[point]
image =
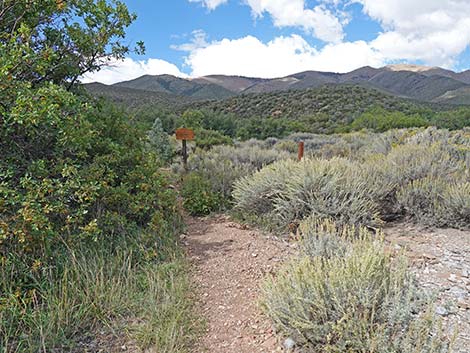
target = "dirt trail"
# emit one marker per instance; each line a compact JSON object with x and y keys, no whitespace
{"x":229,"y":264}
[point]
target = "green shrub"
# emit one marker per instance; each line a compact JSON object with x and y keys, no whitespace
{"x":255,"y":195}
{"x":208,"y":138}
{"x":79,"y":177}
{"x":159,"y":141}
{"x":198,"y":197}
{"x":380,"y":120}
{"x":87,"y":216}
{"x":327,"y":239}
{"x":358,"y":300}
{"x":327,"y":189}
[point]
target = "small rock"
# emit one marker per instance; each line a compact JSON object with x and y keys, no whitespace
{"x":254,"y":255}
{"x":440,"y":310}
{"x":289,"y":344}
{"x":463,"y":304}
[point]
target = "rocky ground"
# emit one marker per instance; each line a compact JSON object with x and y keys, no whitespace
{"x":440,"y":259}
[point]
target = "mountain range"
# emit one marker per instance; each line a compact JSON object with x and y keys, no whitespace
{"x":429,"y":84}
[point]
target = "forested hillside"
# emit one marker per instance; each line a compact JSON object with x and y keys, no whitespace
{"x":341,"y":103}
{"x":327,"y":109}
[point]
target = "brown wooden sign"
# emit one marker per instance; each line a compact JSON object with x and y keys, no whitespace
{"x":185,"y":134}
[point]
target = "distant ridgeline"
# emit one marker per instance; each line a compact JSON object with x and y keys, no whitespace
{"x":321,"y":102}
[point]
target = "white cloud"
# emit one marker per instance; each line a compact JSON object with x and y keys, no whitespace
{"x":319,"y":20}
{"x":210,"y":4}
{"x":199,"y":40}
{"x":129,"y":69}
{"x":282,"y":56}
{"x":434,"y":31}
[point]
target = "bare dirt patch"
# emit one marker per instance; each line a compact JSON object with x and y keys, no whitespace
{"x":230,"y":261}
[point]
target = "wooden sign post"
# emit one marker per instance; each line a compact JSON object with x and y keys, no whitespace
{"x":301,"y":150}
{"x":185,"y":135}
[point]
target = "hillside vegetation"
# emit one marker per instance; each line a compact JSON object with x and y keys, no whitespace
{"x":327,"y":109}
{"x":178,"y":86}
{"x":339,"y":104}
{"x":132,"y":99}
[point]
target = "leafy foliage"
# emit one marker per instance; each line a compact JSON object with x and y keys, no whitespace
{"x":381,"y":120}
{"x":159,"y":141}
{"x":59,"y":41}
{"x":86,"y":212}
{"x":198,"y":197}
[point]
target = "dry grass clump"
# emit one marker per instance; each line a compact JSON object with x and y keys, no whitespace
{"x":347,"y":294}
{"x":120,"y":294}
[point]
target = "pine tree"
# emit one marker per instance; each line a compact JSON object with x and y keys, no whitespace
{"x":159,"y":141}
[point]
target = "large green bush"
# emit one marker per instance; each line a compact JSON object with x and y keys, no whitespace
{"x":72,"y":177}
{"x":75,"y":172}
{"x":198,"y":197}
{"x":87,"y":216}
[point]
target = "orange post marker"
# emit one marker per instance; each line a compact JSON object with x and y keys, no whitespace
{"x":301,"y":150}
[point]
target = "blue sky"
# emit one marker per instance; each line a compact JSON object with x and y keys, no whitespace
{"x":275,"y":38}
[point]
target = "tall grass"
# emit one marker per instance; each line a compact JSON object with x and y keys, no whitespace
{"x":92,"y":289}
